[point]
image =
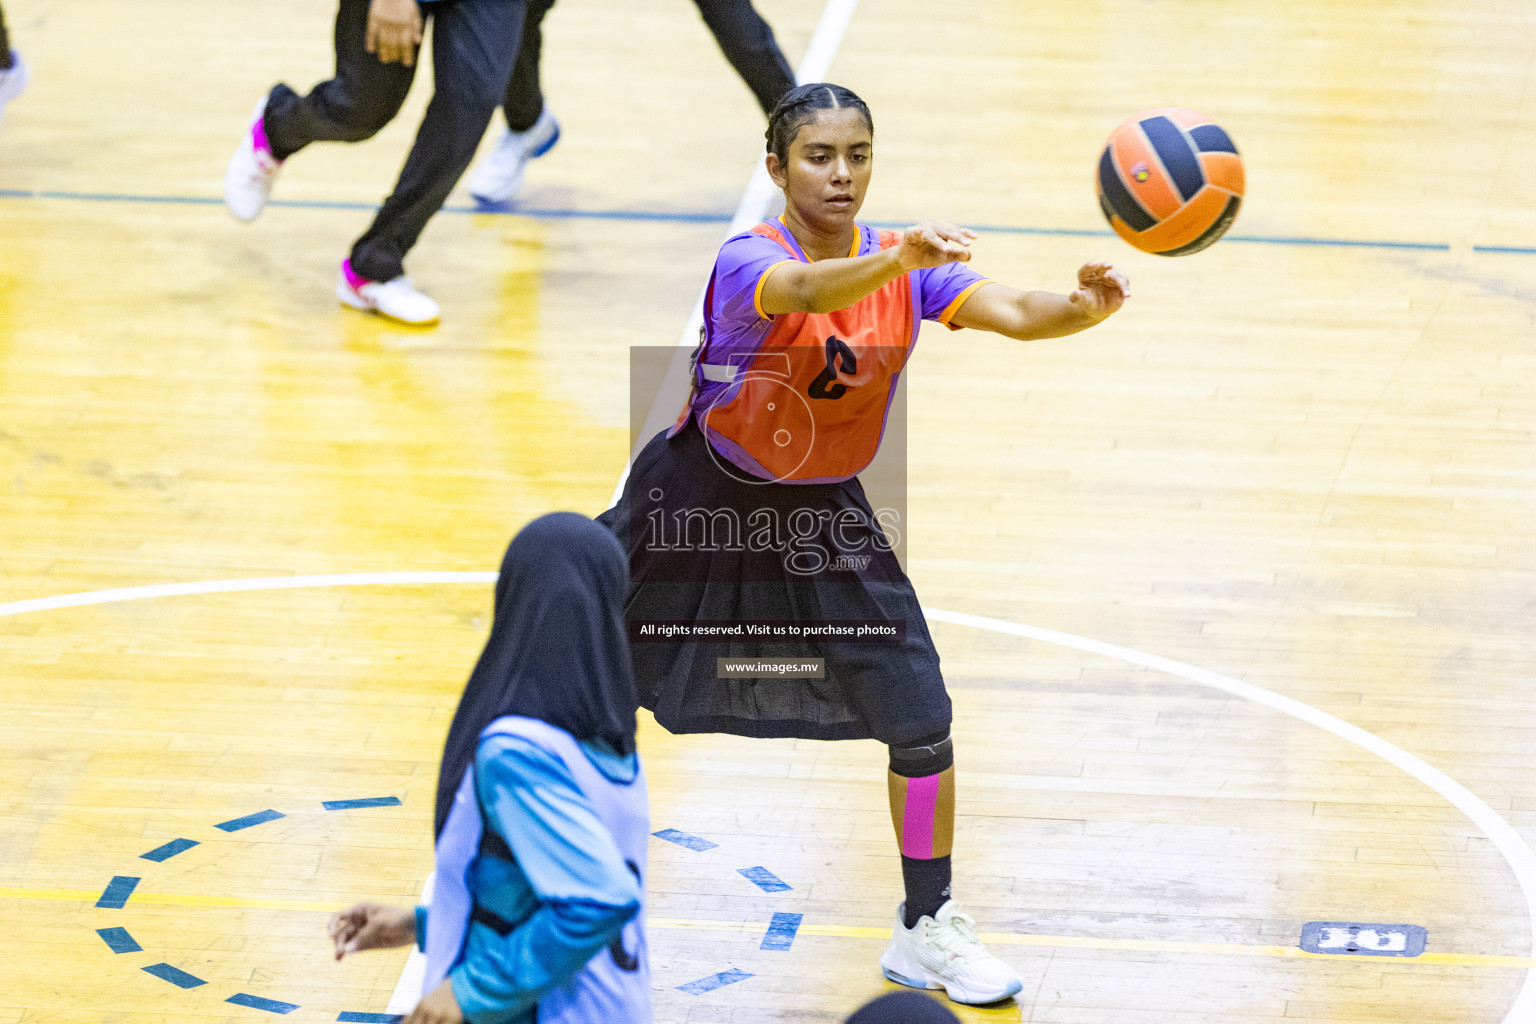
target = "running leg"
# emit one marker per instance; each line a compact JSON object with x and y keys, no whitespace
{"x":524,"y":100}
{"x":474,"y":45}
{"x":748,"y":43}
{"x":364,"y":95}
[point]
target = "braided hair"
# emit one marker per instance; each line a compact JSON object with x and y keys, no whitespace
{"x":802,"y":105}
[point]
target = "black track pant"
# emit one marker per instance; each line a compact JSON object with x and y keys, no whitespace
{"x":748,"y":43}
{"x":745,"y":38}
{"x":474,"y":46}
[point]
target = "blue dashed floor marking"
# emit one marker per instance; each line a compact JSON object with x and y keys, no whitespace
{"x":175,"y":975}
{"x":236,"y":824}
{"x":685,"y":840}
{"x":764,"y":879}
{"x":115,"y":895}
{"x":118,"y":940}
{"x":371,"y":801}
{"x":714,"y":981}
{"x":169,"y":850}
{"x":118,"y":891}
{"x":260,"y":1003}
{"x":781,"y":931}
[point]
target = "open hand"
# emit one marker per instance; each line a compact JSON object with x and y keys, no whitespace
{"x":437,"y":1007}
{"x":394,"y":31}
{"x":933,"y":243}
{"x":1101,"y":290}
{"x":371,"y":926}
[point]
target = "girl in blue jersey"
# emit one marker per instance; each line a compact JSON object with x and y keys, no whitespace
{"x":541,"y":814}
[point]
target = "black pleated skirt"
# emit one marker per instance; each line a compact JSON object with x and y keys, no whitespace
{"x":889,"y":690}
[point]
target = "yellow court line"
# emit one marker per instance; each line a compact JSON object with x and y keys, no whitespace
{"x":829,"y":931}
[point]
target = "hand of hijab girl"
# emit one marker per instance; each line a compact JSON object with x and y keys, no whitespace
{"x":371,"y":926}
{"x":437,"y":1007}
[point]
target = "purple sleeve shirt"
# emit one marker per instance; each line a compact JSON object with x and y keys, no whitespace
{"x":735,"y":324}
{"x":735,"y":315}
{"x":735,"y":319}
{"x":941,"y":291}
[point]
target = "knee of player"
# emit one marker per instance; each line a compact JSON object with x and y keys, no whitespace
{"x":365,"y":128}
{"x":364,"y":121}
{"x":927,"y":755}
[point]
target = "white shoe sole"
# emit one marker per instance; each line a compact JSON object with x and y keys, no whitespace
{"x":501,"y":195}
{"x":349,"y":298}
{"x":916,"y":977}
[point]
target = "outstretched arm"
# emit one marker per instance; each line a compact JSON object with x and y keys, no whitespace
{"x":1027,"y":316}
{"x":829,"y":285}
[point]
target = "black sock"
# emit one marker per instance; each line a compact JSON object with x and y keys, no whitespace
{"x":927,"y":883}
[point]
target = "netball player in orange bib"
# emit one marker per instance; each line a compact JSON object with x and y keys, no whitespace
{"x":749,"y":510}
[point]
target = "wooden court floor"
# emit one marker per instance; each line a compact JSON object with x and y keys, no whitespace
{"x":1302,"y":460}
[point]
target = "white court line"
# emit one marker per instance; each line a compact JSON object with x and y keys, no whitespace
{"x":1503,"y":836}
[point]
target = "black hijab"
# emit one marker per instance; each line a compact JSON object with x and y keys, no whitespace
{"x":557,"y":649}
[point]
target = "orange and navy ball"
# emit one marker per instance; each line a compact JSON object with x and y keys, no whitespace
{"x":1170,"y":182}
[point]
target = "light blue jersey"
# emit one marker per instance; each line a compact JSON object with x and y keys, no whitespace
{"x":539,"y":867}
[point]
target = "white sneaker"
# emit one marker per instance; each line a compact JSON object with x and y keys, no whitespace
{"x":397,"y":299}
{"x":500,"y":176}
{"x":944,"y":952}
{"x":252,"y":170}
{"x":13,"y":80}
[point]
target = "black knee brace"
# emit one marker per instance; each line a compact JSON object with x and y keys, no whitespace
{"x":927,"y":755}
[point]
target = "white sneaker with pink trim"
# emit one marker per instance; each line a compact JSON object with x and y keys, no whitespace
{"x":943,"y":951}
{"x":397,"y":299}
{"x":252,"y":170}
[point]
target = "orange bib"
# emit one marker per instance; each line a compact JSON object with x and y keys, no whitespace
{"x":809,"y":404}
